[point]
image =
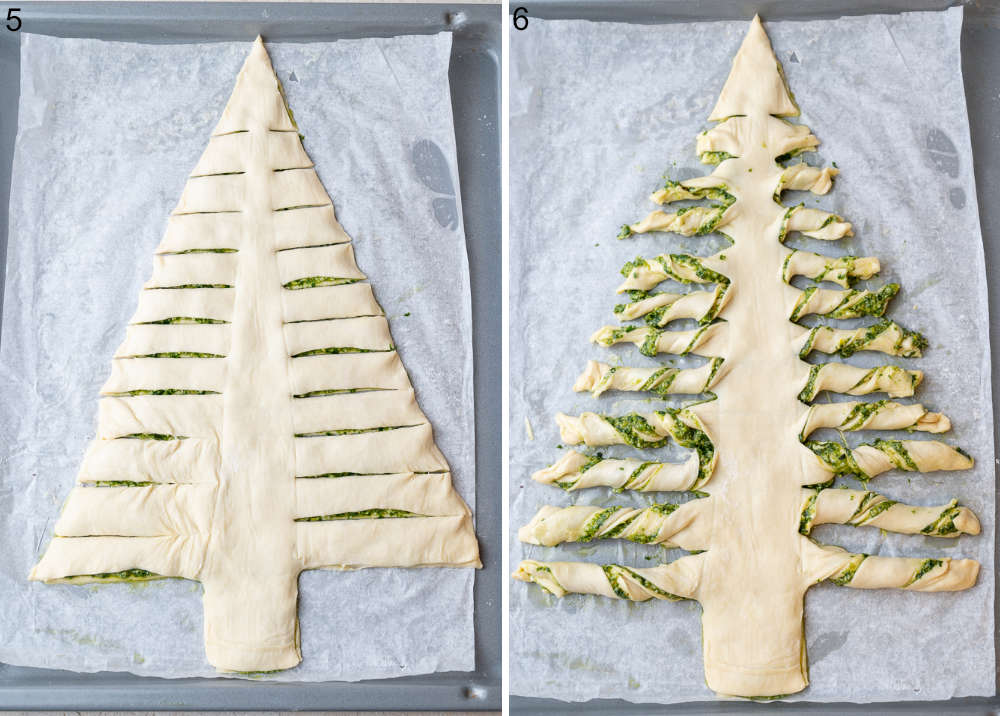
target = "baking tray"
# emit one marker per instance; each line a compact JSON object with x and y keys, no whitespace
{"x":981,"y":73}
{"x":475,"y":89}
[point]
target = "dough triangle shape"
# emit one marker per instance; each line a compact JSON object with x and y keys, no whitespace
{"x":756,"y":80}
{"x":258,"y":420}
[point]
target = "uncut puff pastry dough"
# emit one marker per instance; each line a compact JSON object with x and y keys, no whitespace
{"x":751,"y":455}
{"x":257,"y":409}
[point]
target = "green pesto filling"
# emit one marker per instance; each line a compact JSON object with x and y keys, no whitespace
{"x":944,"y":524}
{"x":336,"y":391}
{"x":178,"y":354}
{"x":660,"y":381}
{"x":872,"y":513}
{"x":342,"y":349}
{"x":716,"y":365}
{"x":254,"y":674}
{"x":128,"y":575}
{"x":716,"y":306}
{"x":301,"y":206}
{"x":182,"y":319}
{"x":896,"y":452}
{"x":351,"y":431}
{"x":845,"y":265}
{"x":162,"y":391}
{"x":591,"y":461}
{"x":708,"y":227}
{"x":874,"y":331}
{"x":678,"y":192}
{"x":873,"y":304}
{"x":801,"y":304}
{"x":316,"y":281}
{"x":926,"y":566}
{"x":694,"y":439}
{"x":617,"y":530}
{"x":646,"y":584}
{"x":542,"y":569}
{"x":663,"y":508}
{"x":216,"y":174}
{"x":625,"y":232}
{"x":808,"y":514}
{"x":863,"y":503}
{"x":782,"y":158}
{"x":609,"y":572}
{"x":845,"y":577}
{"x":636,"y":431}
{"x":635,"y":476}
{"x":837,"y":457}
{"x":120,"y":483}
{"x":715,"y":157}
{"x":861,"y":413}
{"x":784,"y":222}
{"x":809,"y":391}
{"x":704,"y":273}
{"x":784,"y":265}
{"x":594,"y":524}
{"x":631,"y":266}
{"x":189,"y":285}
{"x":372,"y":514}
{"x":331,"y":474}
{"x":649,"y":345}
{"x":151,"y":436}
{"x":204,"y":251}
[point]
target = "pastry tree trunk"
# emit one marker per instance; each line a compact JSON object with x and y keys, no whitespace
{"x":258,"y":420}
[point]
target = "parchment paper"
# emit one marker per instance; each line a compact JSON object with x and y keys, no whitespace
{"x":107,"y":134}
{"x":598,"y":113}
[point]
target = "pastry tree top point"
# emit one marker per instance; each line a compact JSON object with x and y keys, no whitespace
{"x":256,"y":98}
{"x":756,"y":81}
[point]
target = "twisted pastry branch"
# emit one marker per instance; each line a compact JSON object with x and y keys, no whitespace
{"x":870,"y":460}
{"x":815,"y":223}
{"x":849,"y":379}
{"x":883,"y":337}
{"x":652,"y":430}
{"x":675,"y":581}
{"x":577,"y":471}
{"x":852,"y":303}
{"x":875,"y":415}
{"x":599,"y":377}
{"x":862,"y":571}
{"x":662,"y":308}
{"x":841,"y":270}
{"x":861,"y":508}
{"x":707,"y":187}
{"x":643,"y":274}
{"x":802,"y":177}
{"x":689,"y":221}
{"x":665,"y":524}
{"x":702,"y":341}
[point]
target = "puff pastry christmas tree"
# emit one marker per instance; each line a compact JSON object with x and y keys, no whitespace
{"x":258,"y":420}
{"x":765,"y":483}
